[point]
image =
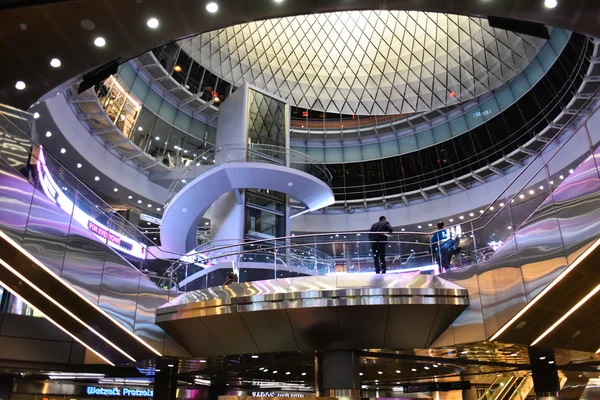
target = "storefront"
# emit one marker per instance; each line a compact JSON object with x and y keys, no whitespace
{"x":44,"y":390}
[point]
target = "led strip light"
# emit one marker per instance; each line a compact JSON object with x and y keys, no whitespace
{"x":101,"y":231}
{"x":59,"y":279}
{"x":559,"y":278}
{"x":106,"y":360}
{"x":567,"y":314}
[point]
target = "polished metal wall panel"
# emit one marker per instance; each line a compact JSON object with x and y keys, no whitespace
{"x":119,"y":289}
{"x":371,"y":333}
{"x":271,"y":330}
{"x":84,"y":262}
{"x":150,"y":297}
{"x":231,"y":333}
{"x":577,"y":202}
{"x":15,"y":200}
{"x":315,"y":328}
{"x":47,"y":232}
{"x":501,"y":286}
{"x":541,"y":249}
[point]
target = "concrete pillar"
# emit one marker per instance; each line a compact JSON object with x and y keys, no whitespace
{"x":337,"y":374}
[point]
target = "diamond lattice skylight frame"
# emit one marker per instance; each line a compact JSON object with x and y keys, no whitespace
{"x":367,"y":62}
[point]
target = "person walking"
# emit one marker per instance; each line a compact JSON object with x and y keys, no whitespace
{"x":378,"y":238}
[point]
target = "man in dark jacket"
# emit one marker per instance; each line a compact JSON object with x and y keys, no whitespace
{"x":378,"y":240}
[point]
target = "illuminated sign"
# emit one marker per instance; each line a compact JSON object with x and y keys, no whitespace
{"x":484,"y":113}
{"x":274,"y":394}
{"x":101,"y":231}
{"x":150,"y":218}
{"x":116,"y":392}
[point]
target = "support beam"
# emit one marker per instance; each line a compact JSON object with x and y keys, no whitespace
{"x":443,"y":191}
{"x":542,"y":139}
{"x":239,"y":196}
{"x":528,"y":151}
{"x":405,"y":200}
{"x":81,"y":99}
{"x":513,"y":162}
{"x":478,"y":177}
{"x":114,"y":145}
{"x":88,"y":116}
{"x":203,"y":107}
{"x":211,"y":119}
{"x":424,"y":195}
{"x":147,"y":167}
{"x":131,"y":157}
{"x":496,"y":171}
{"x":460,"y":185}
{"x":103,"y":131}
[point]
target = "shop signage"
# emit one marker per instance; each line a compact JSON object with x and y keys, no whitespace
{"x":116,"y":392}
{"x":276,"y":394}
{"x":151,"y":219}
{"x":63,"y":198}
{"x":437,"y":387}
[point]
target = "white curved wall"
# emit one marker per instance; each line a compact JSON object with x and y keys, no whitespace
{"x":98,"y":156}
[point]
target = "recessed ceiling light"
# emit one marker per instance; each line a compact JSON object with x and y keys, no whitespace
{"x":48,"y":134}
{"x":177,"y":68}
{"x":398,"y":371}
{"x":550,"y":3}
{"x":139,"y":202}
{"x":150,"y":205}
{"x":419,"y":227}
{"x":116,"y":190}
{"x":97,"y":178}
{"x":55,"y":62}
{"x":206,"y":223}
{"x":471,"y":215}
{"x":290,"y":184}
{"x":278,"y":1}
{"x":130,"y":197}
{"x":275,"y":371}
{"x":462,"y":217}
{"x":79,"y":165}
{"x":570,"y":171}
{"x":426,"y":367}
{"x":100,"y":42}
{"x":287,"y":373}
{"x":451,"y":220}
{"x":63,"y":150}
{"x":304,"y":374}
{"x":253,"y":355}
{"x":158,"y":209}
{"x":140,"y":129}
{"x":380,"y":372}
{"x":361,"y":374}
{"x":414,"y":370}
{"x":20,"y":85}
{"x":157,"y":138}
{"x":531,"y":192}
{"x":152,"y":23}
{"x":87,"y":24}
{"x":550,"y":362}
{"x":36,"y":115}
{"x":212,"y":7}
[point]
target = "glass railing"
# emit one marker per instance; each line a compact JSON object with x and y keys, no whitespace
{"x":466,"y":243}
{"x":49,"y":176}
{"x":263,"y":153}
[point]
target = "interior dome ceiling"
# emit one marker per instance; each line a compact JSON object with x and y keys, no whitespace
{"x":367,"y":62}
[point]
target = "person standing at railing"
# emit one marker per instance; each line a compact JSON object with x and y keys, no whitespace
{"x":443,"y":247}
{"x":378,"y":239}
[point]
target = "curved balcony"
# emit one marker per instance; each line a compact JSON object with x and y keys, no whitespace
{"x":234,"y":167}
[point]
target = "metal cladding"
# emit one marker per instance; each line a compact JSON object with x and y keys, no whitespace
{"x":314,"y":313}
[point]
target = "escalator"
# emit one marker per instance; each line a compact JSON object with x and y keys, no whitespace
{"x":76,"y":274}
{"x":512,"y":387}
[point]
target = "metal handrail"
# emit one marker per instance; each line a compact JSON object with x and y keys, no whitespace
{"x":577,"y":115}
{"x":97,"y":201}
{"x":563,"y":92}
{"x":294,"y":157}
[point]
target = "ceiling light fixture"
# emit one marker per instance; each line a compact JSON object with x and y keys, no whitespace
{"x":139,"y":202}
{"x":150,"y":205}
{"x":555,"y":282}
{"x":152,"y":23}
{"x":140,"y":129}
{"x":63,"y":151}
{"x":130,"y":197}
{"x":304,"y":374}
{"x":398,"y":371}
{"x":55,"y":63}
{"x":79,"y":165}
{"x":116,"y":190}
{"x":48,"y":134}
{"x":177,"y":68}
{"x":100,"y":42}
{"x":97,"y":178}
{"x":380,"y":372}
{"x":212,"y":7}
{"x":36,"y":115}
{"x":550,"y":3}
{"x":20,"y":85}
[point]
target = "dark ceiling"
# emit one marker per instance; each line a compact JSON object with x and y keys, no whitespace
{"x":31,"y":36}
